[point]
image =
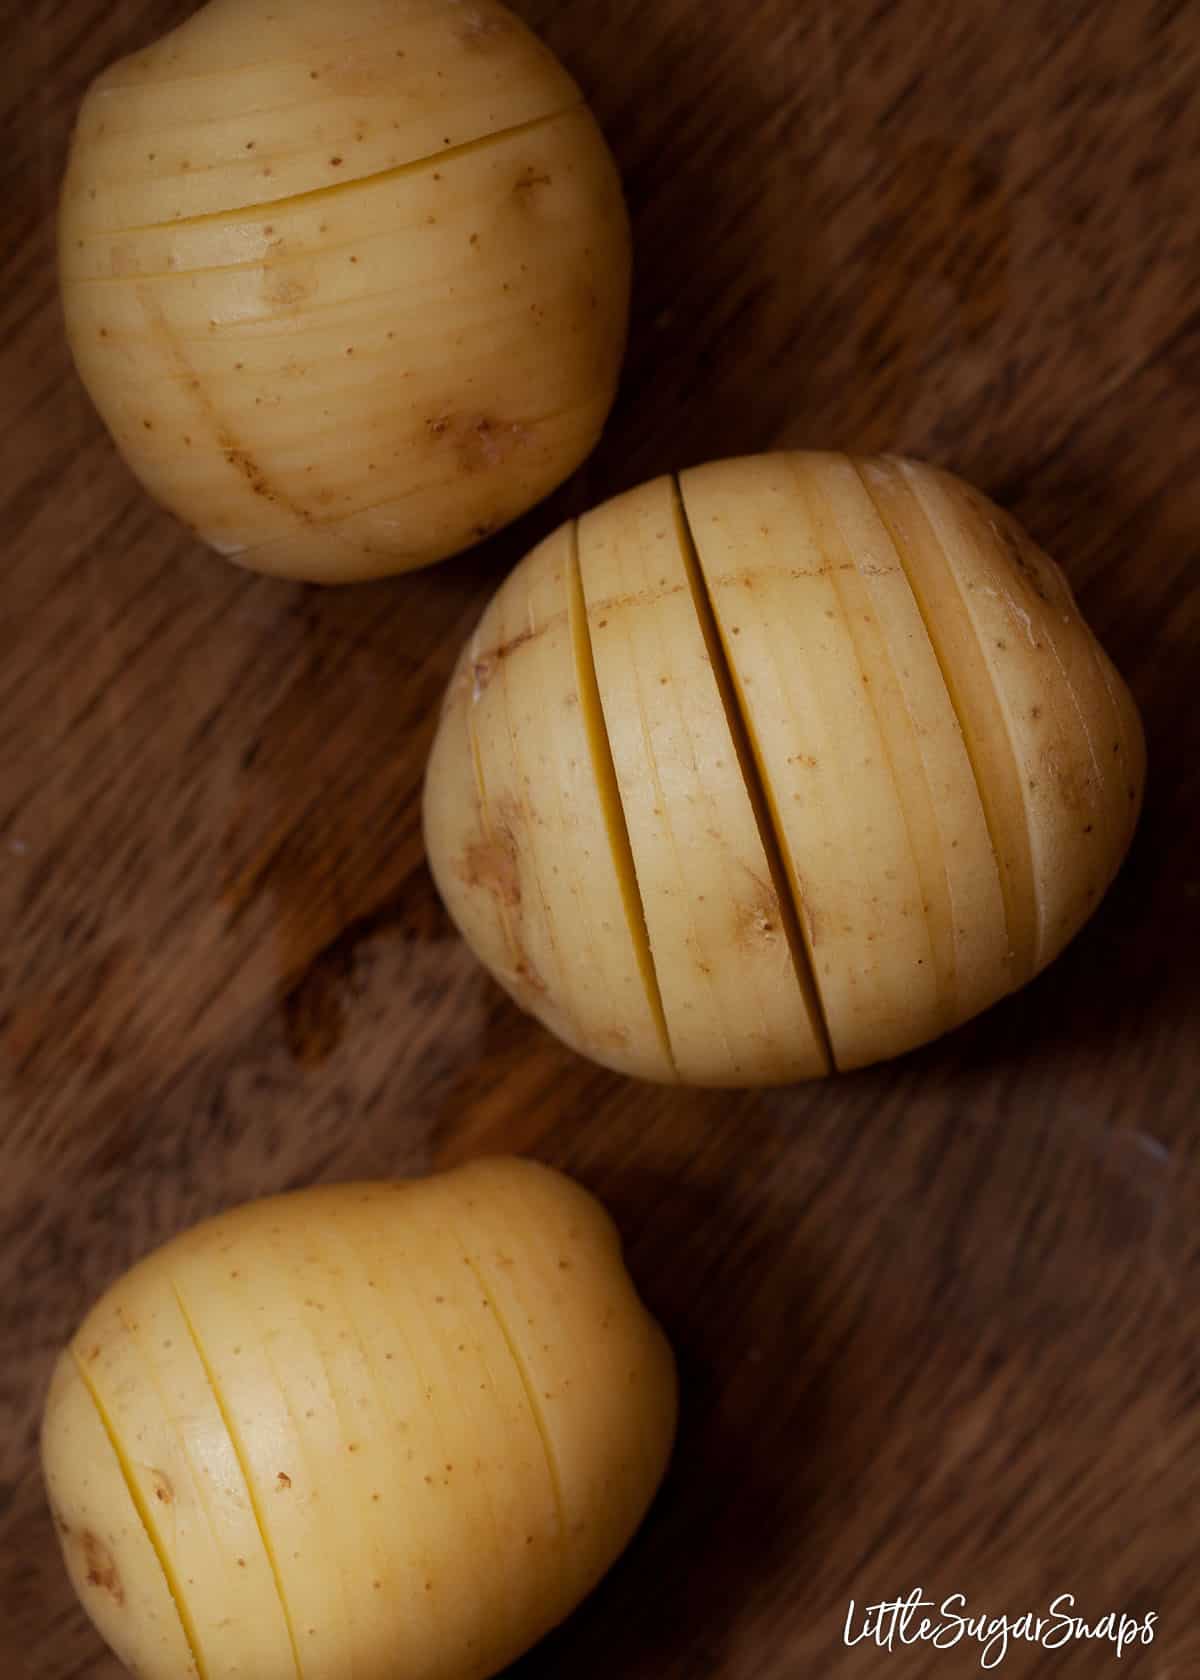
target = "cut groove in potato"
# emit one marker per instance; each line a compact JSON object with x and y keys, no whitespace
{"x":156,"y":256}
{"x":247,"y":1477}
{"x":514,"y":1477}
{"x":1011,"y":608}
{"x":614,"y":815}
{"x":144,"y":1371}
{"x":405,"y":1427}
{"x":809,"y":714}
{"x":265,"y":1382}
{"x":227,"y":385}
{"x":600,"y":754}
{"x":521,"y":1368}
{"x":934,"y":781}
{"x":816,"y":1048}
{"x":183,"y":128}
{"x":583,"y":960}
{"x":138,"y":1501}
{"x":716,"y":918}
{"x":110,"y":1554}
{"x":973,"y":695}
{"x":532,"y":1248}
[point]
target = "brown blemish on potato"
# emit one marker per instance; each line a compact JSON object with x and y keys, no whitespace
{"x":529,"y":981}
{"x":243,"y":462}
{"x":101,"y":1568}
{"x":637,"y":598}
{"x":492,"y":866}
{"x":528,"y":179}
{"x":480,"y":441}
{"x":757,"y":918}
{"x":285,"y":290}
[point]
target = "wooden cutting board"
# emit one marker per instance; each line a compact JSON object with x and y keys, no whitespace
{"x":937,"y":1322}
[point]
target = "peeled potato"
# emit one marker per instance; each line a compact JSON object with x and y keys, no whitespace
{"x":347,"y":283}
{"x":389,"y":1430}
{"x":831,"y":732}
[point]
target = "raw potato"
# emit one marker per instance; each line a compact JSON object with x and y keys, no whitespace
{"x":348,"y":284}
{"x":871,"y":769}
{"x":391,"y":1430}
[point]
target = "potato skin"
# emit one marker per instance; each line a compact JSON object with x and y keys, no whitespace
{"x":358,"y":337}
{"x":945,"y":768}
{"x":400,"y":1428}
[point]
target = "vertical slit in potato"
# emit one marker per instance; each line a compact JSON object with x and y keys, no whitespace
{"x":973,"y":696}
{"x":170,"y":1574}
{"x":536,"y":1244}
{"x":248,"y":1480}
{"x":1014,"y":601}
{"x":601,"y":764}
{"x":936,"y":787}
{"x":824,"y":760}
{"x":144,"y":1370}
{"x":716,"y":919}
{"x":111,"y":1556}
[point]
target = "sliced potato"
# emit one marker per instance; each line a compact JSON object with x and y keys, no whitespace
{"x":821,"y":753}
{"x":734,"y":1000}
{"x":943,"y":811}
{"x":576,"y":911}
{"x":441,"y":1404}
{"x":866,"y":687}
{"x":110,"y":1557}
{"x":142,"y":1366}
{"x":251,"y":101}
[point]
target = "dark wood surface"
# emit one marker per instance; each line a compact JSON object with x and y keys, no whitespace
{"x":937,"y":1322}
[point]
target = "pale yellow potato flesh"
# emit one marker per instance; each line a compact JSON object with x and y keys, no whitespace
{"x":977,"y":704}
{"x":475,"y":866}
{"x":599,"y":1372}
{"x":1058,"y":712}
{"x":736,"y":1005}
{"x":363,"y":380}
{"x":821,"y":752}
{"x":136,"y":1353}
{"x":252,"y":101}
{"x":110,"y":1558}
{"x":395,"y":1457}
{"x":583,"y":957}
{"x":866,"y":684}
{"x":943,"y":811}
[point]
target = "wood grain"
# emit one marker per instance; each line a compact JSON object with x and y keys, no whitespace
{"x":937,"y":1321}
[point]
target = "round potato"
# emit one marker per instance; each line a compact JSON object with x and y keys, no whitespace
{"x":348,"y":283}
{"x":390,"y":1430}
{"x":782,"y":768}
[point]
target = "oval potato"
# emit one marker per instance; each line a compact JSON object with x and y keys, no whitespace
{"x":396,"y":1430}
{"x":871,"y":769}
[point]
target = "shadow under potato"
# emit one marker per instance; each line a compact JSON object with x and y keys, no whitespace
{"x":905,"y":1362}
{"x":723,"y":1523}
